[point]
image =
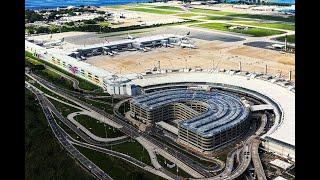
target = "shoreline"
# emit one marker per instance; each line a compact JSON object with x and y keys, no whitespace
{"x":101,"y":4}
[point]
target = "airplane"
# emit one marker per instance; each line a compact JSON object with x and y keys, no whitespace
{"x":130,"y":37}
{"x":54,"y":43}
{"x":147,"y":48}
{"x":187,"y":45}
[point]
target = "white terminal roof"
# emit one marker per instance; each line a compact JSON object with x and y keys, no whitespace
{"x":285,"y":132}
{"x":127,"y":41}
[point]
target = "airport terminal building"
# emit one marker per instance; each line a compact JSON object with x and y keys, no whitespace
{"x":72,"y":60}
{"x":203,"y":120}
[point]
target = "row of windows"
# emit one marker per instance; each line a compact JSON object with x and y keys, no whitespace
{"x":75,"y":70}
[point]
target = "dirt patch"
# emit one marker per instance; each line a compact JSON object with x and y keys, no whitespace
{"x":264,"y":54}
{"x":214,"y":54}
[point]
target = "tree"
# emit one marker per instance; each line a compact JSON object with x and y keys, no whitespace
{"x":32,"y":16}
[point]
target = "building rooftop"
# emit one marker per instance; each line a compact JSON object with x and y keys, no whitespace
{"x":224,"y":110}
{"x":284,"y":128}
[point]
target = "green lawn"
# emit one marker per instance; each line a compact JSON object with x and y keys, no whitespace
{"x":65,"y":110}
{"x":218,"y":18}
{"x":257,"y":32}
{"x":155,"y":11}
{"x":187,"y":15}
{"x":107,"y":108}
{"x":133,"y":149}
{"x":118,"y":169}
{"x":44,"y":158}
{"x":49,"y":75}
{"x":265,"y":17}
{"x":287,"y":26}
{"x":238,"y":15}
{"x":98,"y":128}
{"x":290,"y":38}
{"x":55,"y":78}
{"x":168,"y":8}
{"x":209,"y":11}
{"x":104,"y":23}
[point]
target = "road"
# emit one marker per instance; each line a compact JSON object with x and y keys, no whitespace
{"x":256,"y":161}
{"x":76,"y":130}
{"x":62,"y":138}
{"x":133,"y":133}
{"x":255,"y":147}
{"x":63,"y":135}
{"x":127,"y":128}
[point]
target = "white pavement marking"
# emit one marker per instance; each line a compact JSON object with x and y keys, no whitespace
{"x":81,"y":127}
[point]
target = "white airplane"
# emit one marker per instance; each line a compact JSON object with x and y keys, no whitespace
{"x":187,"y":45}
{"x":147,"y":48}
{"x":54,"y":43}
{"x":167,"y":45}
{"x":130,"y":37}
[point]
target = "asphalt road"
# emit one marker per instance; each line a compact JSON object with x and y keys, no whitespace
{"x":133,"y":133}
{"x":128,"y":129}
{"x":92,"y":38}
{"x":62,"y":137}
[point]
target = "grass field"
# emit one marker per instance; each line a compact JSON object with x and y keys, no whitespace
{"x":238,"y":15}
{"x":187,"y":15}
{"x":104,"y":23}
{"x":44,"y":158}
{"x":290,"y":38}
{"x":167,"y":8}
{"x":97,"y":128}
{"x":218,"y":18}
{"x":65,"y":110}
{"x":154,"y":11}
{"x":118,"y":169}
{"x":285,"y":26}
{"x":49,"y":75}
{"x":265,"y":17}
{"x":209,"y":11}
{"x":133,"y":149}
{"x":257,"y":32}
{"x":107,"y":108}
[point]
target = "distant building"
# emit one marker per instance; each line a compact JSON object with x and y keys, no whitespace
{"x":262,"y":1}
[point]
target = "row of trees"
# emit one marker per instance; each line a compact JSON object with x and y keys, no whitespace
{"x":89,"y":26}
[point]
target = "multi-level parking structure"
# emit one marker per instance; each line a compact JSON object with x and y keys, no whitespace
{"x":205,"y":120}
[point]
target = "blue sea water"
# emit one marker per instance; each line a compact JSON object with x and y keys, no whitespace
{"x":40,"y":4}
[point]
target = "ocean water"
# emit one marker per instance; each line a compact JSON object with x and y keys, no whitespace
{"x":39,"y":4}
